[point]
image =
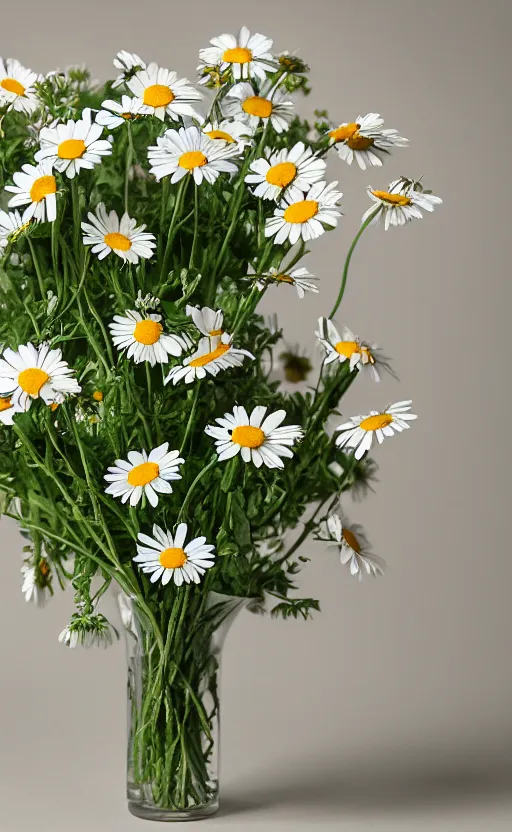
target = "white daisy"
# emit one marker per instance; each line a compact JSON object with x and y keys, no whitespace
{"x":144,"y":474}
{"x":88,"y":630}
{"x":305,"y":217}
{"x":163,"y":92}
{"x":353,"y":547}
{"x":128,"y":63}
{"x":247,"y":56}
{"x":12,"y":224}
{"x":244,"y":103}
{"x":300,"y":278}
{"x":290,"y":172}
{"x":116,"y":113}
{"x":165,"y":556}
{"x":348,"y":347}
{"x":188,"y":151}
{"x":357,"y":434}
{"x":212,"y":355}
{"x":208,"y":321}
{"x":258,"y":438}
{"x":36,"y":586}
{"x":106,"y":233}
{"x":74,"y":145}
{"x":232,"y":132}
{"x":17,"y":91}
{"x":404,"y":201}
{"x":35,"y":372}
{"x":145,"y":339}
{"x":36,"y":187}
{"x":7,"y":410}
{"x":365,"y":140}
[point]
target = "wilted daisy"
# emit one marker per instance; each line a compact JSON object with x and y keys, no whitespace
{"x":37,"y":582}
{"x":189,"y":151}
{"x":353,"y":547}
{"x":305,"y":217}
{"x":365,"y":140}
{"x":404,"y":201}
{"x":36,"y":187}
{"x":208,"y":321}
{"x":300,"y":278}
{"x":35,"y":372}
{"x":116,"y":113}
{"x":129,"y":63}
{"x":12,"y":223}
{"x":74,"y":145}
{"x":7,"y":410}
{"x":106,"y":233}
{"x":167,"y":557}
{"x":244,"y":103}
{"x":211,"y":356}
{"x":17,"y":91}
{"x":144,"y":474}
{"x":163,"y":92}
{"x":358,"y":433}
{"x":246,"y":56}
{"x":257,"y":437}
{"x":230,"y":131}
{"x":348,"y":347}
{"x":290,"y":172}
{"x":88,"y":630}
{"x":144,"y":338}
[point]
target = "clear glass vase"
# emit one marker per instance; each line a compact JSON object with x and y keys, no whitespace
{"x":173,"y":704}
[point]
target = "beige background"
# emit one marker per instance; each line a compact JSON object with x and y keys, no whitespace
{"x":392,"y":709}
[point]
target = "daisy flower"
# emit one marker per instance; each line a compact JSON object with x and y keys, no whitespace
{"x":36,"y":187}
{"x":163,"y":92}
{"x":212,"y":355}
{"x":115,"y":113}
{"x":35,"y":372}
{"x":305,"y":217}
{"x":7,"y":410}
{"x":348,"y":347}
{"x":74,"y":145}
{"x":145,"y":339}
{"x":12,"y":223}
{"x":144,"y":474}
{"x":36,"y":586}
{"x":365,"y":140}
{"x":129,"y":63}
{"x":404,"y":201}
{"x":245,"y":104}
{"x":17,"y":90}
{"x":354,"y":548}
{"x":257,"y":437}
{"x":247,"y":56}
{"x":227,"y":130}
{"x":357,"y":434}
{"x":300,"y":278}
{"x":88,"y":630}
{"x":106,"y":233}
{"x":188,"y":151}
{"x":290,"y":172}
{"x":208,"y":321}
{"x":165,"y":556}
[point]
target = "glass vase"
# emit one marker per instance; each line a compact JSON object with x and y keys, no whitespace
{"x":173,"y":703}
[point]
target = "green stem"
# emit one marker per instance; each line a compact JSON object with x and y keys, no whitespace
{"x":129,"y":157}
{"x":197,"y":480}
{"x":37,"y":267}
{"x":170,"y":236}
{"x":191,"y":417}
{"x":196,"y":226}
{"x":355,"y":241}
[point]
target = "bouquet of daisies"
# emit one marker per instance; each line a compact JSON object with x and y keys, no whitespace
{"x":145,"y":438}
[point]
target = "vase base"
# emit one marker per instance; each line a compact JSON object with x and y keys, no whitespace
{"x":169,"y":815}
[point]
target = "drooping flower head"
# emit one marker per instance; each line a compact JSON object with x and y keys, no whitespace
{"x":348,"y":347}
{"x":116,"y":113}
{"x":212,"y":356}
{"x":353,"y":547}
{"x":357,"y":434}
{"x":129,"y":63}
{"x":404,"y":201}
{"x":365,"y":140}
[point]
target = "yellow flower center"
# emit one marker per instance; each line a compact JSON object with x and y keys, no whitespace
{"x":248,"y":437}
{"x":42,"y":187}
{"x":143,"y":474}
{"x":44,"y":568}
{"x":5,"y":403}
{"x":158,"y":95}
{"x":239,"y":55}
{"x":32,"y":380}
{"x":12,"y":85}
{"x":350,"y":538}
{"x":172,"y":558}
{"x":97,"y":396}
{"x":344,"y":132}
{"x":71,"y":149}
{"x":118,"y":241}
{"x":192,"y":159}
{"x":220,"y":134}
{"x":126,"y":116}
{"x":147,"y":332}
{"x":392,"y":199}
{"x":257,"y":106}
{"x":54,"y":406}
{"x":215,"y":332}
{"x":284,"y":278}
{"x":301,"y":211}
{"x":359,"y":142}
{"x":209,"y":356}
{"x":382,"y":420}
{"x":347,"y":348}
{"x":281,"y":174}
